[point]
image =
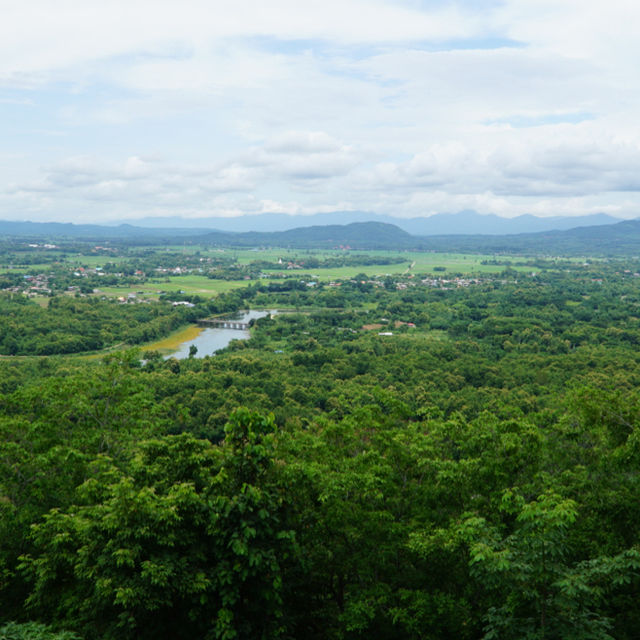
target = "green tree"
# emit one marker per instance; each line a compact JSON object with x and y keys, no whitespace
{"x":186,"y":544}
{"x":33,"y":631}
{"x":543,"y":590}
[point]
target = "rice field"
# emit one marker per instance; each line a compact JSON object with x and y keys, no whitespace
{"x":190,"y":284}
{"x":413,"y":262}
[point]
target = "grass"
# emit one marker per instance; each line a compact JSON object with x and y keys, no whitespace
{"x":418,"y":263}
{"x":81,"y":260}
{"x":191,"y":284}
{"x":42,"y":301}
{"x":245,"y":256}
{"x":430,"y":335}
{"x":28,"y":269}
{"x":173,"y":341}
{"x":457,"y":263}
{"x":165,"y":345}
{"x":424,"y":261}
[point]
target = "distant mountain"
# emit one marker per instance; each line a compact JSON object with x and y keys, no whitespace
{"x":620,"y":239}
{"x":357,"y":235}
{"x":267,"y":222}
{"x":96,"y":232}
{"x":464,"y":222}
{"x":360,"y":235}
{"x":470,"y":222}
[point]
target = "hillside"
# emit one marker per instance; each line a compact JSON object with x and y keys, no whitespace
{"x":622,"y":238}
{"x":460,"y":223}
{"x":358,"y":235}
{"x":59,"y":230}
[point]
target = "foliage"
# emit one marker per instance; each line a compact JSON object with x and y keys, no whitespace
{"x":33,"y":631}
{"x":70,"y":325}
{"x":189,"y":543}
{"x":417,"y":458}
{"x":545,"y":595}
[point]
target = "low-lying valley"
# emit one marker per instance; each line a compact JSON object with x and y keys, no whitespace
{"x":392,"y":444}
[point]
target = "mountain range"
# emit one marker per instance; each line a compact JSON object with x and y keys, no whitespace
{"x":463,"y":222}
{"x":621,"y":238}
{"x":357,"y":235}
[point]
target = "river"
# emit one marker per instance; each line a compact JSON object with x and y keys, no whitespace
{"x":208,"y":341}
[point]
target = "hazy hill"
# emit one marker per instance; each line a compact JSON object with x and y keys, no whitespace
{"x":470,"y":222}
{"x":622,"y":238}
{"x":42,"y":230}
{"x":357,"y":235}
{"x":361,"y":235}
{"x":464,"y":222}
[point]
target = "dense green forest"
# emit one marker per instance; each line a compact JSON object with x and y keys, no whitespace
{"x":396,"y":459}
{"x":72,"y":325}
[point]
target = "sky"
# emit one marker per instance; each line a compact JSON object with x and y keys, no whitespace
{"x":128,"y":109}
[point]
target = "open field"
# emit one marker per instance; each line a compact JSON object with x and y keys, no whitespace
{"x":416,"y":262}
{"x":424,"y":335}
{"x":80,"y":260}
{"x":413,"y":262}
{"x":42,"y":301}
{"x":245,"y":256}
{"x":206,"y":287}
{"x":191,"y":284}
{"x":26,"y":269}
{"x":458,"y":263}
{"x":424,"y":261}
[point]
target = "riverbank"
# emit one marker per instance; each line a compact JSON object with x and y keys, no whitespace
{"x":174,"y":340}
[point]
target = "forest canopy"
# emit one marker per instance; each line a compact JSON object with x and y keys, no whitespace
{"x":408,"y":457}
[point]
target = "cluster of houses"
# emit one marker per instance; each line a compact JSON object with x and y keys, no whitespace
{"x":383,"y":324}
{"x":176,"y":271}
{"x":291,"y":265}
{"x":130,"y":298}
{"x":450,"y":283}
{"x":33,"y":285}
{"x":42,"y":246}
{"x":439,"y":283}
{"x":457,"y":282}
{"x":82,"y":272}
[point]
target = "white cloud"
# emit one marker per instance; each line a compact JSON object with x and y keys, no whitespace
{"x":406,"y":108}
{"x":37,"y":36}
{"x":295,"y":158}
{"x":563,"y":161}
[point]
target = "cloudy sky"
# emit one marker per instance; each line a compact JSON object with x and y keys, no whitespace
{"x":123,"y":109}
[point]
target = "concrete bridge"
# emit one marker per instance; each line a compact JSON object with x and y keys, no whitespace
{"x":223,"y":324}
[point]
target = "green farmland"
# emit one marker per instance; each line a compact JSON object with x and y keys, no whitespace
{"x":190,"y":284}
